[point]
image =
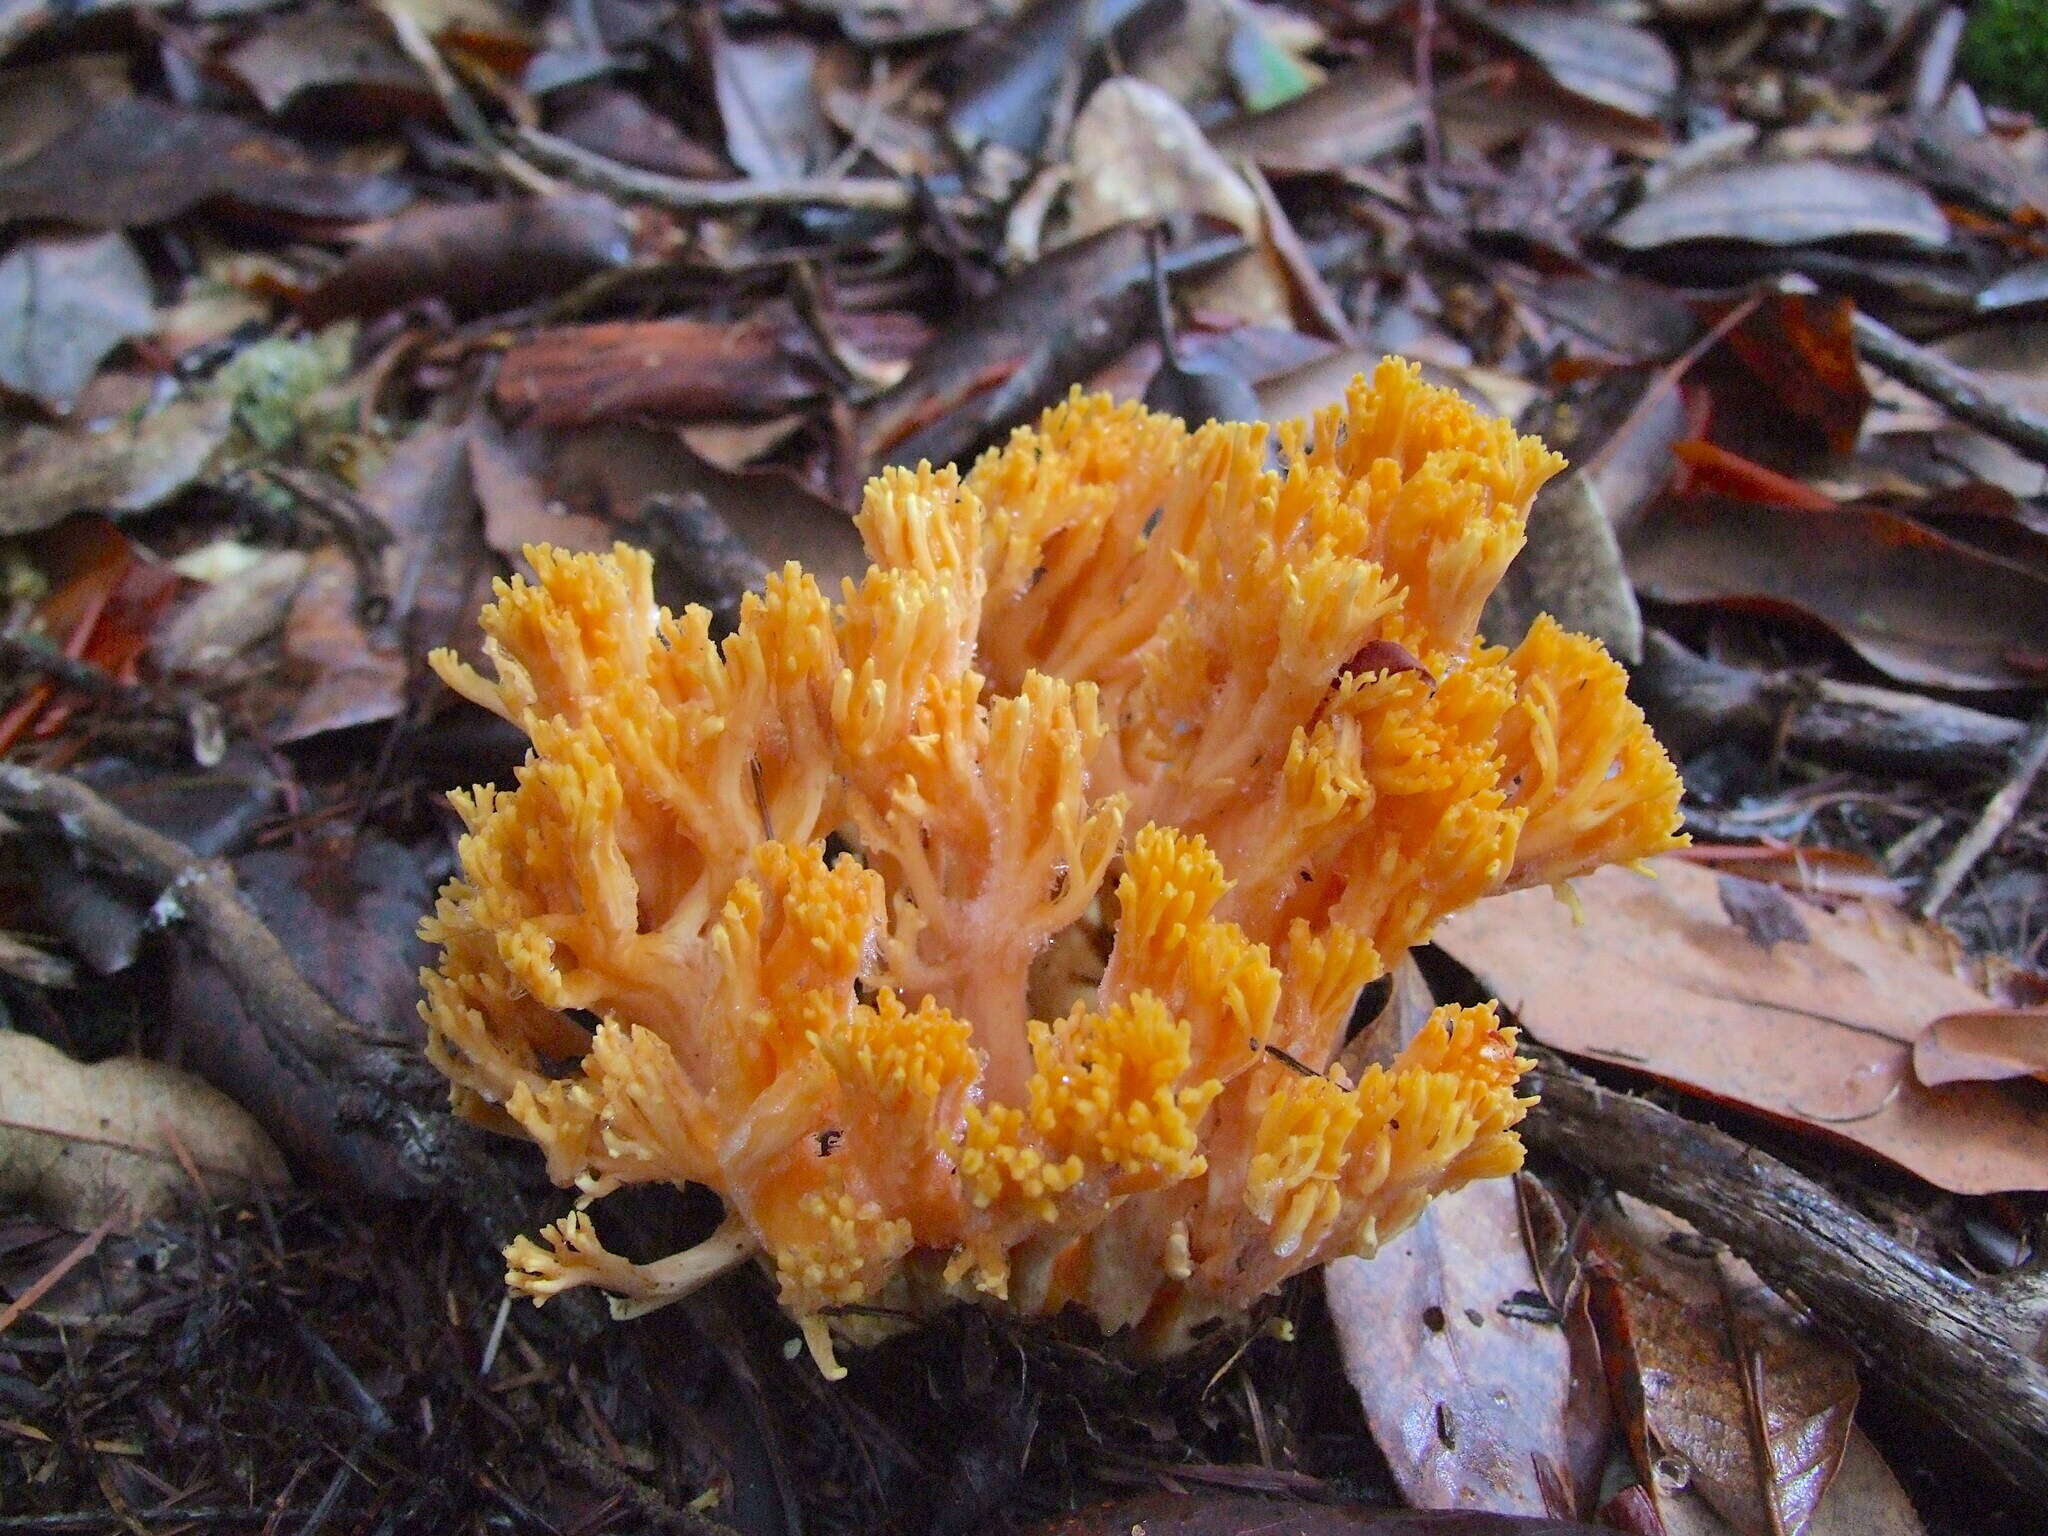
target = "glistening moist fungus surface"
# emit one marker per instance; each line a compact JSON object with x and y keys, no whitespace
{"x":990,"y":932}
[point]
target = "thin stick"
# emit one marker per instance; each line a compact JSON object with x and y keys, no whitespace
{"x":871,"y":193}
{"x":1957,"y":390}
{"x":1999,"y":812}
{"x":461,"y":108}
{"x":82,"y":1250}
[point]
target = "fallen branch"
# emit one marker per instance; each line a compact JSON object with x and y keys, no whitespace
{"x":1693,"y":700}
{"x":1999,"y":811}
{"x":388,"y":1086}
{"x":867,"y":193}
{"x":1956,"y":390}
{"x":1970,"y":1355}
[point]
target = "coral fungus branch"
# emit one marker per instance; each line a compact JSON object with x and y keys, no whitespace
{"x":990,"y":932}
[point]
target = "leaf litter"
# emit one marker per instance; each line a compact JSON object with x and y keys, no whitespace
{"x":287,"y":299}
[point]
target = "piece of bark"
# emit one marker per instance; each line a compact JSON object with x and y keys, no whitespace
{"x":1970,"y":1356}
{"x":1694,"y":701}
{"x":680,"y":369}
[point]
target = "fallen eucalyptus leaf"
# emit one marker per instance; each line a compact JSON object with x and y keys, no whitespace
{"x":1783,"y":202}
{"x":85,"y":1143}
{"x":1819,"y":1035}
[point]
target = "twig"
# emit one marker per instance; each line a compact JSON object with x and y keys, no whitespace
{"x":1425,"y":84}
{"x":312,"y":1040}
{"x":80,"y":1251}
{"x":1999,"y":811}
{"x":456,"y":101}
{"x":1697,"y":701}
{"x":870,"y":193}
{"x":1968,"y":1355}
{"x":650,"y":1501}
{"x":32,"y":653}
{"x":1958,"y":391}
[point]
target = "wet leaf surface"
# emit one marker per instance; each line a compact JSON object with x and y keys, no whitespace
{"x":1989,"y":1045}
{"x":1754,"y":1403}
{"x":1469,"y":1396}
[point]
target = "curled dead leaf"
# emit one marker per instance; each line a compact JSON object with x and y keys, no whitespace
{"x":1986,"y":1045}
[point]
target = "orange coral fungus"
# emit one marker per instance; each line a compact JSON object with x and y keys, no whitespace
{"x":1147,"y":757}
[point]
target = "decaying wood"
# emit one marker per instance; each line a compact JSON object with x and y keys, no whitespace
{"x":388,"y":1085}
{"x":1970,"y":1355}
{"x":678,"y":368}
{"x":1693,"y":701}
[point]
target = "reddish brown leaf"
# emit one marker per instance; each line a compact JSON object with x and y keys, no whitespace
{"x":1912,"y":601}
{"x":675,"y":368}
{"x":506,"y":472}
{"x":1819,"y":1034}
{"x":349,"y":679}
{"x":1801,"y":347}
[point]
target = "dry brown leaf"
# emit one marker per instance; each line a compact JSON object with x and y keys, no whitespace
{"x":128,"y":463}
{"x":1989,"y":1045}
{"x":1623,"y":68}
{"x":1464,"y":1397}
{"x":1820,"y":1034}
{"x":505,"y":471}
{"x":1915,"y":603}
{"x":231,"y":615}
{"x":1366,"y":111}
{"x":1723,"y":1363}
{"x":1138,"y":156}
{"x":87,"y":1142}
{"x":351,"y":680}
